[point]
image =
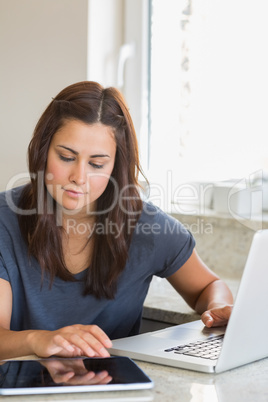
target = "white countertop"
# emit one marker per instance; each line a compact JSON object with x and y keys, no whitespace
{"x":245,"y":384}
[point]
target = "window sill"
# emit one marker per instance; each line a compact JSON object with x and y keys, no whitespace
{"x":255,"y":222}
{"x":222,"y":241}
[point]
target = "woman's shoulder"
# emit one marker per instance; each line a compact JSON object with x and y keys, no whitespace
{"x":150,"y":211}
{"x":153,"y":214}
{"x":10,"y":197}
{"x":161,"y":239}
{"x":155,"y":221}
{"x":9,"y":203}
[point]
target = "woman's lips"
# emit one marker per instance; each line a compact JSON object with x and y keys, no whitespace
{"x":73,"y":193}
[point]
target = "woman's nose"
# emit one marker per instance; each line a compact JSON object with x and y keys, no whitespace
{"x":78,"y":174}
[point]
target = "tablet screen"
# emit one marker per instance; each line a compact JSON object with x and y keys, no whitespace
{"x":56,"y":375}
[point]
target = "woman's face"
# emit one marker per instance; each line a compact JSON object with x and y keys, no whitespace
{"x":79,"y":164}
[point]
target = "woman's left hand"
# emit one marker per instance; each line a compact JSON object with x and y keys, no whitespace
{"x":217,"y":316}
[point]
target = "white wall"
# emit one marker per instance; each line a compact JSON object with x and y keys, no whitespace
{"x":117,"y":37}
{"x":43,"y":48}
{"x":105,"y":37}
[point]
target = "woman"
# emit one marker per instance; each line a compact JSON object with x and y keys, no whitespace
{"x":79,"y":247}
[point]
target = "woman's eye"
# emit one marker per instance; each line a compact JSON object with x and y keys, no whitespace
{"x":65,"y":159}
{"x":95,"y":166}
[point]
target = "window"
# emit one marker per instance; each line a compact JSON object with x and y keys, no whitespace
{"x":194,"y":74}
{"x":208,"y":90}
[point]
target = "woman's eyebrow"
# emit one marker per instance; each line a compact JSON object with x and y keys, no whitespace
{"x":99,"y":156}
{"x":76,"y":153}
{"x":68,"y":149}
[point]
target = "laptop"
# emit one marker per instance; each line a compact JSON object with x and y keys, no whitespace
{"x":213,"y":350}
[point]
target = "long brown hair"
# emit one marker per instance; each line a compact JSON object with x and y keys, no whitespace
{"x":90,"y":103}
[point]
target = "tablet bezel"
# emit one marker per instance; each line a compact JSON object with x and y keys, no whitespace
{"x":125,"y":364}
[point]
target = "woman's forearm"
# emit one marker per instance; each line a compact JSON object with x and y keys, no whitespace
{"x":216,"y":294}
{"x":70,"y":341}
{"x":14,"y":344}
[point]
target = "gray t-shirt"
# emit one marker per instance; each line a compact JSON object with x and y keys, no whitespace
{"x":160,"y":246}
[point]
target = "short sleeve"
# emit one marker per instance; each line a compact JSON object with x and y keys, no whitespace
{"x":174,"y":245}
{"x":3,"y":271}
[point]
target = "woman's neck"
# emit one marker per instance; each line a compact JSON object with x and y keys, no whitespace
{"x":77,"y":244}
{"x":81,"y":228}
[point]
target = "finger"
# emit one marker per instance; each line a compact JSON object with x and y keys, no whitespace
{"x":103,"y":377}
{"x":63,"y":343}
{"x":89,"y":345}
{"x":77,"y":351}
{"x":106,"y":380}
{"x":62,"y":378}
{"x":97,"y":346}
{"x":207,"y":319}
{"x":99,"y":334}
{"x":57,"y":345}
{"x":82,"y":379}
{"x":216,"y":317}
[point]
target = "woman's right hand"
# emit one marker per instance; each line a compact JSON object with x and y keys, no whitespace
{"x":70,"y":341}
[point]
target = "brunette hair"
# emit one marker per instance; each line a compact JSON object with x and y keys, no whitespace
{"x":90,"y":103}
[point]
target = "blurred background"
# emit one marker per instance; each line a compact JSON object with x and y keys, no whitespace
{"x":193,"y":72}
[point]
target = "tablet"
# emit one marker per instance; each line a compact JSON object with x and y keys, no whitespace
{"x":61,"y":375}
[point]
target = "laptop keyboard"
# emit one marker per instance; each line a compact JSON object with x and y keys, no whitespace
{"x":206,"y":349}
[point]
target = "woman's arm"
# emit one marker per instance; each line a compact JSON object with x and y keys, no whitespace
{"x":204,"y":291}
{"x":71,"y":341}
